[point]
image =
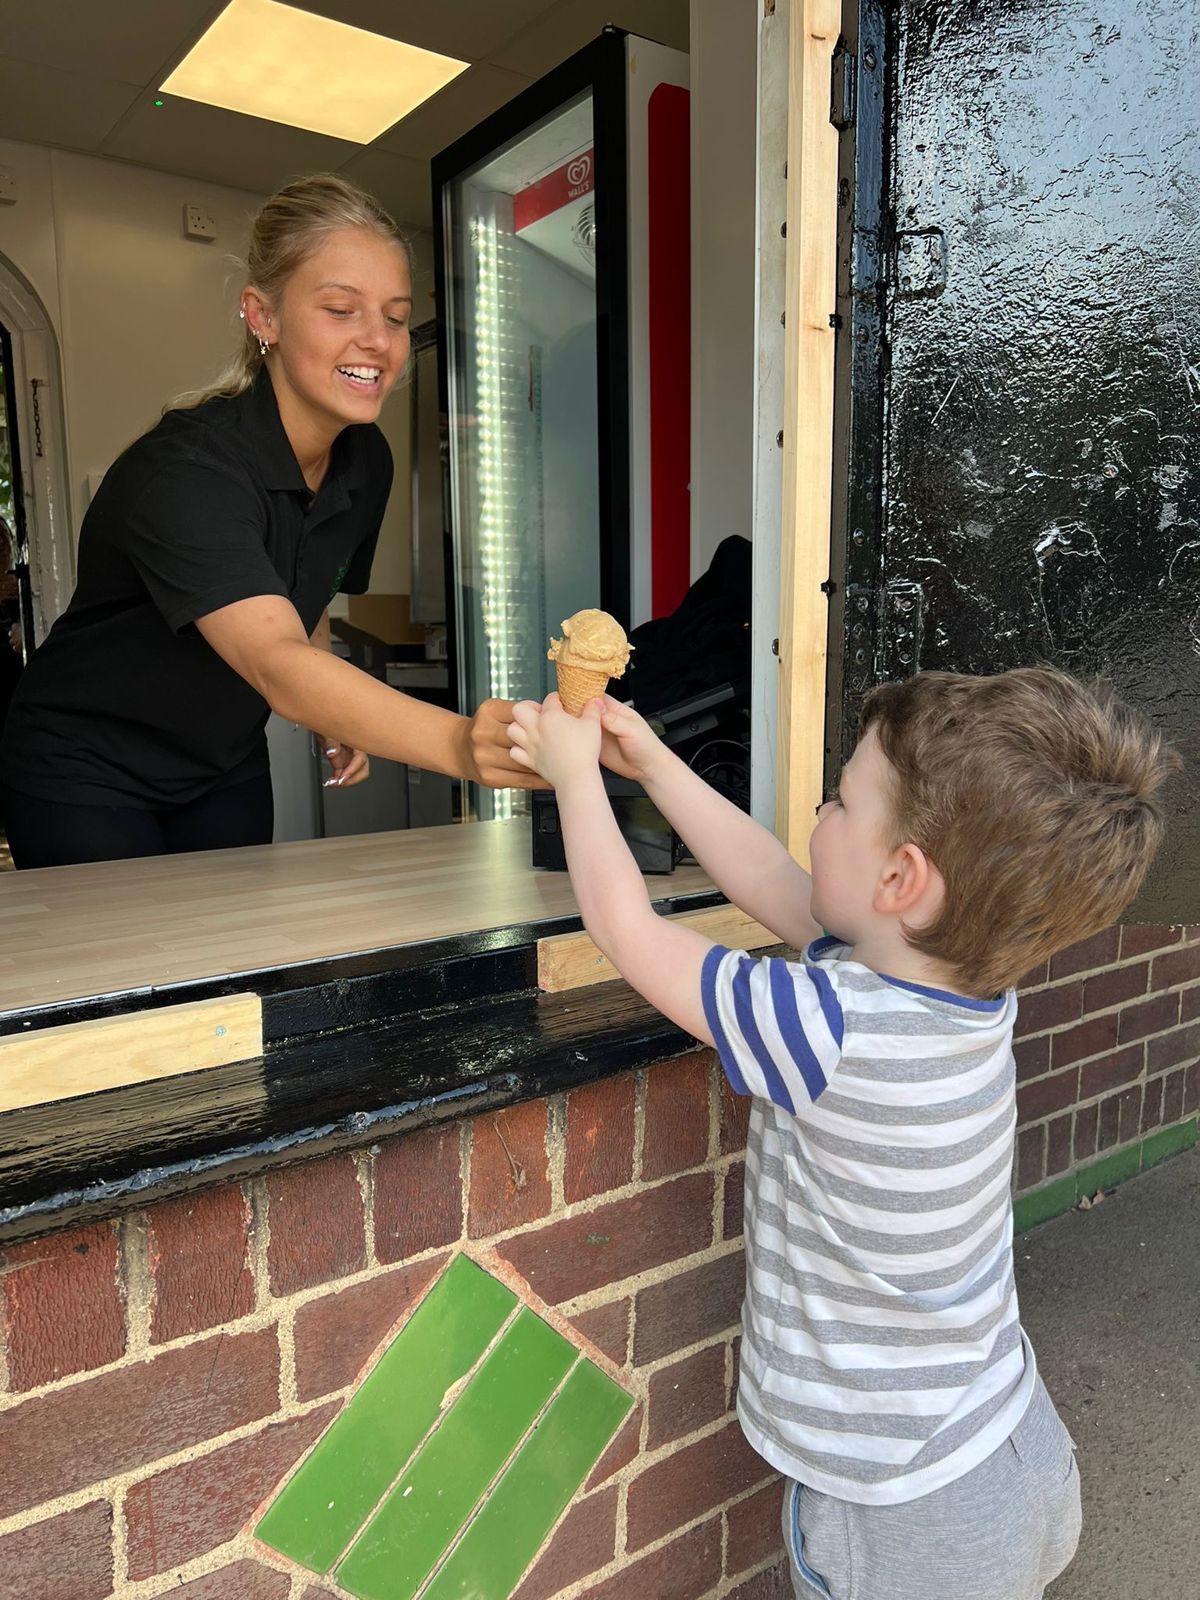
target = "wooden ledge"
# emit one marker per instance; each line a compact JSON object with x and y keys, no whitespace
{"x":572,"y":960}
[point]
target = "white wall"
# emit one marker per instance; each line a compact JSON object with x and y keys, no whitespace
{"x":142,"y":313}
{"x":724,"y":76}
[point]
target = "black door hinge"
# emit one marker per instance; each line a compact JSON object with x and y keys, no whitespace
{"x":843,"y":88}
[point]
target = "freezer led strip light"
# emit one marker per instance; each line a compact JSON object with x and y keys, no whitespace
{"x":494,"y":508}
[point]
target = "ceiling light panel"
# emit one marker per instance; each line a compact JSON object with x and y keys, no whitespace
{"x":275,"y":61}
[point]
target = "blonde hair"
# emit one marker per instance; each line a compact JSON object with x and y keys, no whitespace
{"x":1033,"y":795}
{"x":290,"y":226}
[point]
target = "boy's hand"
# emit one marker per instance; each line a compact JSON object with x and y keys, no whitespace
{"x":554,"y":743}
{"x":630,"y":748}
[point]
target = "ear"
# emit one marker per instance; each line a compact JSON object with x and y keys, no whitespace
{"x":257,"y":311}
{"x":910,"y":886}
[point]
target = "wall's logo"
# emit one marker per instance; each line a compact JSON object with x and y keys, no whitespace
{"x":403,"y":1497}
{"x":337,"y":582}
{"x":579,"y":172}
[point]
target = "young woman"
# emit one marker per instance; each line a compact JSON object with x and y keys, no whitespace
{"x":207,"y":561}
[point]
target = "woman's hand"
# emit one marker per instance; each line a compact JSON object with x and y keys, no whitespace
{"x":349,"y":766}
{"x":487,"y":754}
{"x":553,"y":742}
{"x":629,"y":747}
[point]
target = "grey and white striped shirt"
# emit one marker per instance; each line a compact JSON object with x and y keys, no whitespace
{"x":882,"y":1354}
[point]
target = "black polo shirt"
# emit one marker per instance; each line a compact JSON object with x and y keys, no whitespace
{"x":124,"y":703}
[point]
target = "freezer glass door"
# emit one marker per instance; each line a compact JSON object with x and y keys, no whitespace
{"x":523,"y":407}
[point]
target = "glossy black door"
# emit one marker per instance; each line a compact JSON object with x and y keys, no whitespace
{"x":1019,"y":424}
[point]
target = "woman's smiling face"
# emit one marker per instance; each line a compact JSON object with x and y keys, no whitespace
{"x":341,"y":330}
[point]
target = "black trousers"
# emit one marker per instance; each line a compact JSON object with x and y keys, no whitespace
{"x":50,"y":833}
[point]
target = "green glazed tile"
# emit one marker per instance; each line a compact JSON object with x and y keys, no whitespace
{"x":508,"y":1532}
{"x":325,"y":1504}
{"x":1049,"y":1201}
{"x":1166,"y":1142}
{"x":1109,"y":1170}
{"x":418,"y":1521}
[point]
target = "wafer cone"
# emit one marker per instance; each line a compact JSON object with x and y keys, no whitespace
{"x":576,"y":686}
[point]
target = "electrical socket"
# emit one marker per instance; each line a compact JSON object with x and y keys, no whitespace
{"x":8,"y":186}
{"x":199,"y":223}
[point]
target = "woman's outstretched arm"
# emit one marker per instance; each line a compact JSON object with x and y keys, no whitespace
{"x":263,"y":640}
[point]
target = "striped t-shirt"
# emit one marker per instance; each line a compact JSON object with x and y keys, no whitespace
{"x":882,"y":1353}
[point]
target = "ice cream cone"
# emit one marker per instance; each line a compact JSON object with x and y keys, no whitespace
{"x":576,"y":686}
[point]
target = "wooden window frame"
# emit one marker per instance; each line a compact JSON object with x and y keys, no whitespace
{"x":810,"y":280}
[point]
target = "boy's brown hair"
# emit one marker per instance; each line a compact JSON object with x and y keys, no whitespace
{"x":1033,"y":795}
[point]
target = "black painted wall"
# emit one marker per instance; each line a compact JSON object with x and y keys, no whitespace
{"x":1020,"y":422}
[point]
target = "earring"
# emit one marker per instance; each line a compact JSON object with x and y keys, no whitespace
{"x":242,"y":313}
{"x":263,"y":345}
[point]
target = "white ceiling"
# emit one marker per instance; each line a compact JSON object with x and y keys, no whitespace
{"x":84,"y":74}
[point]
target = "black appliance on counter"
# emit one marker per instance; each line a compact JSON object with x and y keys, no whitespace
{"x":711,"y":732}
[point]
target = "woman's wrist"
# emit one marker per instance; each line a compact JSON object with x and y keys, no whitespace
{"x":464,"y":752}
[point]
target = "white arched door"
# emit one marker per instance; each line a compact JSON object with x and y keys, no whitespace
{"x":39,"y":425}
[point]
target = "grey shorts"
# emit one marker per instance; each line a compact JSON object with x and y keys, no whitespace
{"x":1002,"y":1532}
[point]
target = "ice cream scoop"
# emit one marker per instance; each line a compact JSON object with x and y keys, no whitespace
{"x":592,"y":650}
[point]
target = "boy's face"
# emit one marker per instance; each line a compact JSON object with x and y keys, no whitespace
{"x":852,"y":843}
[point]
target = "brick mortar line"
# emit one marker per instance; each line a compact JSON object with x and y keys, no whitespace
{"x":1055,"y":1028}
{"x":1098,"y":1157}
{"x":715,"y":1076}
{"x":718,"y":1210}
{"x":619,"y":1288}
{"x":627,"y":1191}
{"x":1082,"y":978}
{"x":120,"y":1541}
{"x":136,"y":1281}
{"x":466,"y":1147}
{"x":288,"y":1392}
{"x":652,"y":1458}
{"x":241,"y":1547}
{"x":119,"y":1483}
{"x":1120,"y":960}
{"x":639,"y":1124}
{"x":1082,"y":1061}
{"x":625,"y":1558}
{"x":556,"y":1150}
{"x":730,"y":1582}
{"x":258,"y":1241}
{"x":726,"y":1337}
{"x":1117,"y":1088}
{"x":364,"y":1168}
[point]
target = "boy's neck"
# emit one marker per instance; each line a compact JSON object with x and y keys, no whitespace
{"x":892,"y":959}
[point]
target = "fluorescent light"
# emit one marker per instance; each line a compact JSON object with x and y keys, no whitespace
{"x":274,"y":61}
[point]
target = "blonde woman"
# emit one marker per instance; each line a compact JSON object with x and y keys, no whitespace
{"x":208,"y":559}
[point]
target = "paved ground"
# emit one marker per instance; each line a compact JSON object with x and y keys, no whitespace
{"x":1111,"y":1300}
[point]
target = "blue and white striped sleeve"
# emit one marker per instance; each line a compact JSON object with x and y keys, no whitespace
{"x":777,"y":1024}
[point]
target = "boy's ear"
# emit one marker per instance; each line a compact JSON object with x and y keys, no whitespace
{"x":908,"y":884}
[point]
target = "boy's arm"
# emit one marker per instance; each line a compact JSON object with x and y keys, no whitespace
{"x":660,"y":959}
{"x":746,"y":862}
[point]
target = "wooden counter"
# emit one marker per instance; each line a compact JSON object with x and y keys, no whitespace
{"x":384,"y":982}
{"x":75,"y":932}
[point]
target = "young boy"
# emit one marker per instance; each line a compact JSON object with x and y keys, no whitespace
{"x":981,"y":825}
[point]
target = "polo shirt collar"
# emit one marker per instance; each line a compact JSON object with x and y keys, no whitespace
{"x":276,"y":458}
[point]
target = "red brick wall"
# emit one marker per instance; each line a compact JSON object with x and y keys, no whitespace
{"x":1108,"y":1047}
{"x":159,"y":1375}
